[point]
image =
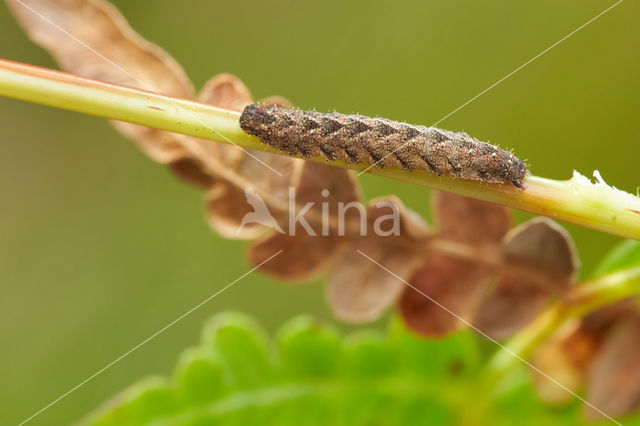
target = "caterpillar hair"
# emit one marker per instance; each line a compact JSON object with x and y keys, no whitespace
{"x":383,"y":143}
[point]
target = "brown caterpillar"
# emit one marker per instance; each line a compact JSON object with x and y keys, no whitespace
{"x":382,"y":142}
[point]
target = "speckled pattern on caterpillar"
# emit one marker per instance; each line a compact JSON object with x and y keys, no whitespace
{"x":365,"y":140}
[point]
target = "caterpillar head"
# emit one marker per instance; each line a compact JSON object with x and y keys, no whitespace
{"x":255,"y":119}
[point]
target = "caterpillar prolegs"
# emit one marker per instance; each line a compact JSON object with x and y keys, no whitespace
{"x":381,"y":142}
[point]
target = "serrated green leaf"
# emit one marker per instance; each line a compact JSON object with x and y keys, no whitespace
{"x":455,"y":356}
{"x":241,"y":345}
{"x":367,"y":355}
{"x":308,"y":348}
{"x":144,"y":402}
{"x":315,"y":378}
{"x":199,"y":378}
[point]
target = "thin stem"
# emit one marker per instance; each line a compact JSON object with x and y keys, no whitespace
{"x":580,"y":300}
{"x":578,"y":201}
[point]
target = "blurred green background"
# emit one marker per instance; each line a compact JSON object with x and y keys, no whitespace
{"x":100,"y":247}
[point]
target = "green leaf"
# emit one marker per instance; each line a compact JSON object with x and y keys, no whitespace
{"x":199,"y":377}
{"x":368,"y":355}
{"x":455,"y":356}
{"x":624,"y":255}
{"x":241,"y":345}
{"x":310,"y":376}
{"x":308,"y":348}
{"x":148,"y":400}
{"x":522,"y":403}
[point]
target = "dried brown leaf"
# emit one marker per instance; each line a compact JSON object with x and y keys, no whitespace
{"x":307,"y":253}
{"x":539,"y":262}
{"x":380,"y":213}
{"x":303,"y":257}
{"x":249,"y":167}
{"x":226,"y":205}
{"x":326,"y":188}
{"x":574,"y":353}
{"x":470,"y":221}
{"x":338,"y":184}
{"x":234,"y":169}
{"x":359,"y":289}
{"x":565,"y":357}
{"x":614,"y":382}
{"x":91,"y":38}
{"x":478,"y":272}
{"x":448,"y":288}
{"x":224,"y":91}
{"x":229,"y":201}
{"x":190,"y":171}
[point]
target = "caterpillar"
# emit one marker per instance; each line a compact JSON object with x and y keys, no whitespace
{"x":381,"y":142}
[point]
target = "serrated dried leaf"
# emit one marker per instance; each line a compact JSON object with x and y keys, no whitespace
{"x":468,"y":220}
{"x":445,"y":294}
{"x":359,"y":289}
{"x":303,"y":257}
{"x":326,"y":188}
{"x":91,"y":38}
{"x":224,"y":91}
{"x":337,"y":183}
{"x":614,"y":382}
{"x":252,"y":188}
{"x":226,"y":205}
{"x":319,"y":189}
{"x":539,"y":262}
{"x":191,"y":171}
{"x":448,"y":288}
{"x":227,"y":201}
{"x":251,"y":167}
{"x":380,"y":216}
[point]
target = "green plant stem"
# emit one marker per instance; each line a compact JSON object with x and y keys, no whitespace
{"x":576,"y":200}
{"x":579,"y":301}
